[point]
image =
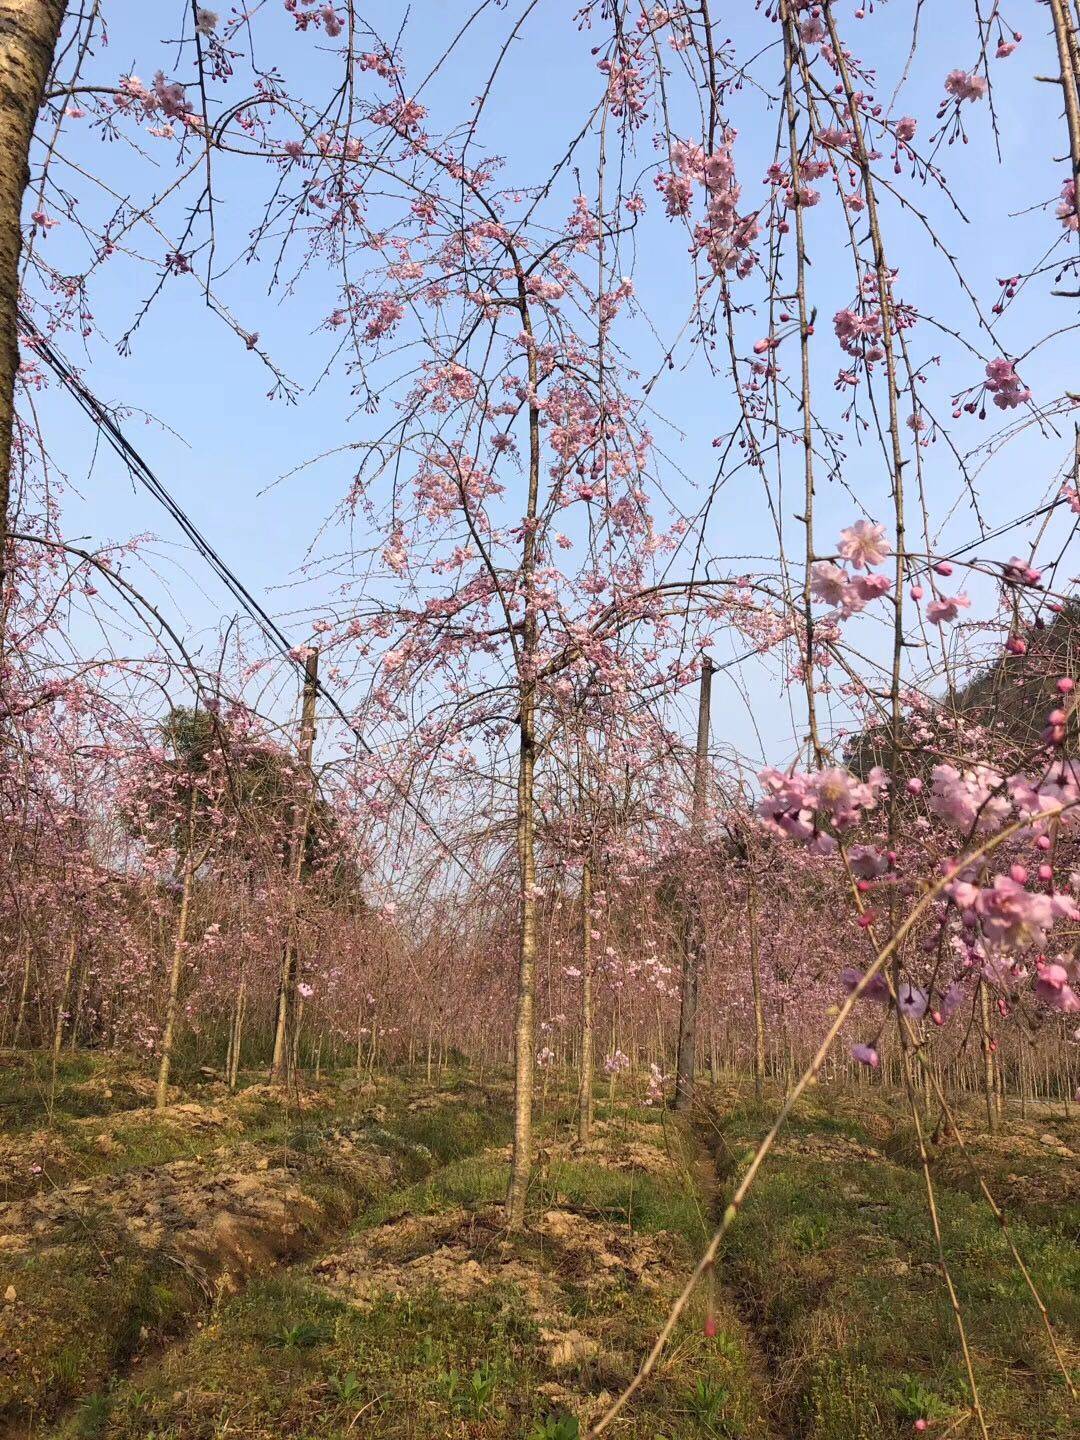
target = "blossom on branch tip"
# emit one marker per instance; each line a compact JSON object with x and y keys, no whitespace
{"x":965,"y":85}
{"x":946,"y":608}
{"x":864,"y":544}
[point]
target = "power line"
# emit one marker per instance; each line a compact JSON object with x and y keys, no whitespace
{"x":141,"y":471}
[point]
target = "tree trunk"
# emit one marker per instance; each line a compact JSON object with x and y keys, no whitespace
{"x":61,"y":1007}
{"x":525,"y":1023}
{"x":988,"y":1062}
{"x":693,"y":937}
{"x":24,"y":991}
{"x":585,"y":1086}
{"x":237,"y":1036}
{"x":29,"y":30}
{"x":755,"y":980}
{"x":172,"y":1005}
{"x":286,"y":1001}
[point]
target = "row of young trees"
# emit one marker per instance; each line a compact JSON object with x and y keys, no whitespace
{"x":501,"y":841}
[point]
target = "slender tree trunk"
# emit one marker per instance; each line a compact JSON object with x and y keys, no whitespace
{"x":286,"y":1001}
{"x":1067,"y":1091}
{"x":237,"y":1035}
{"x":585,"y":1085}
{"x":525,"y":1023}
{"x":176,"y":969}
{"x":24,"y":991}
{"x":61,"y":1008}
{"x":80,"y":999}
{"x":693,"y":936}
{"x":525,"y":1026}
{"x":294,"y":1050}
{"x":374,"y":1042}
{"x":1068,"y":47}
{"x":755,"y":980}
{"x":988,"y":1061}
{"x":29,"y":30}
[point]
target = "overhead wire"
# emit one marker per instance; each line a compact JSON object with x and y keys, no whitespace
{"x":141,"y":471}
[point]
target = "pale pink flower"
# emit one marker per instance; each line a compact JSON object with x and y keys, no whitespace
{"x":828,"y":582}
{"x":864,"y":544}
{"x":963,"y":85}
{"x":946,"y":608}
{"x":969,"y":798}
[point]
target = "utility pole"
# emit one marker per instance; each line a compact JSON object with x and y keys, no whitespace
{"x":693,"y":934}
{"x":286,"y":1005}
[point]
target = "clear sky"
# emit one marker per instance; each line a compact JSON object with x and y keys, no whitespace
{"x":223,"y":447}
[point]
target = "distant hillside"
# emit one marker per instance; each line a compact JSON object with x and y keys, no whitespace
{"x":1009,"y":700}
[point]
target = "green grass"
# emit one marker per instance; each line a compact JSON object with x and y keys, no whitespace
{"x":89,"y":1299}
{"x":833,"y":1322}
{"x":434,"y":1364}
{"x":1025,"y":1177}
{"x":836,"y":1267}
{"x":83,"y":1309}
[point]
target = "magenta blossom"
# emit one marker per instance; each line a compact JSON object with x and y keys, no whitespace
{"x":1012,"y":917}
{"x":1052,"y":987}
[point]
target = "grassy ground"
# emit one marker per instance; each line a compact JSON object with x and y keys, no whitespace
{"x":131,"y":1246}
{"x":835,"y":1267}
{"x":431,"y":1321}
{"x":333,"y":1264}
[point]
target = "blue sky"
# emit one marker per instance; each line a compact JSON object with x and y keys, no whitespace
{"x":222,"y":447}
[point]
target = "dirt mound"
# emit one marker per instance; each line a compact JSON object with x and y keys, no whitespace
{"x":222,"y":1221}
{"x":182,"y":1116}
{"x":619,"y":1147}
{"x":118,"y":1090}
{"x":437,"y":1099}
{"x":828,"y":1149}
{"x":26,"y":1161}
{"x":558,"y":1270}
{"x":285,"y":1096}
{"x":45,"y":1158}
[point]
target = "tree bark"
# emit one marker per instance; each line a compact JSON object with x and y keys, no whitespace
{"x":585,"y":1085}
{"x":172,"y":1005}
{"x":237,"y":1036}
{"x":693,"y":937}
{"x":1068,"y":48}
{"x":24,"y":992}
{"x":61,"y":1008}
{"x":286,"y":1000}
{"x":525,"y":1023}
{"x":988,"y":1062}
{"x":29,"y":30}
{"x":755,"y":980}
